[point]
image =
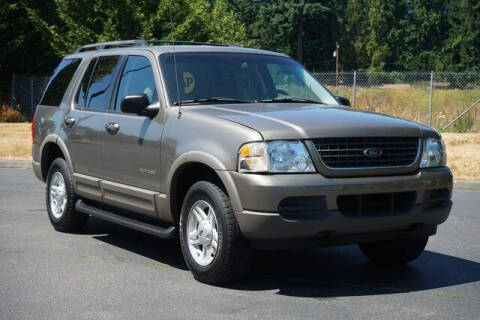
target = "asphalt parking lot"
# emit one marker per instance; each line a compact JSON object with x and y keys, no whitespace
{"x":109,"y":272}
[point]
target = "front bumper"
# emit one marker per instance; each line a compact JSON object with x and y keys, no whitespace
{"x":260,"y":196}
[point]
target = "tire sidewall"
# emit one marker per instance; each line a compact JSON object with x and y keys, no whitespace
{"x":59,"y":165}
{"x":202,"y":191}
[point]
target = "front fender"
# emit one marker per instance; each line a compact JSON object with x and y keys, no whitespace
{"x":213,"y":163}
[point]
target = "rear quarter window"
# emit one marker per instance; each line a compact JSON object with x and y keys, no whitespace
{"x":59,"y":81}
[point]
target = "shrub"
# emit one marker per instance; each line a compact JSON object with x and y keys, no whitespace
{"x":8,"y":114}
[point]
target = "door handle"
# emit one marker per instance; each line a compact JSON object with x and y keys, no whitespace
{"x":112,"y":128}
{"x":69,"y":122}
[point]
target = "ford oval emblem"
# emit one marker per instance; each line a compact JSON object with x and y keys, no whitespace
{"x":372,"y":152}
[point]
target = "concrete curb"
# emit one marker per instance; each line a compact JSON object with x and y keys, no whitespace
{"x":15,"y":164}
{"x":25,"y":164}
{"x":466,"y":185}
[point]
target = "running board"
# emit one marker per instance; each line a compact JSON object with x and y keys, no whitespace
{"x":160,"y":232}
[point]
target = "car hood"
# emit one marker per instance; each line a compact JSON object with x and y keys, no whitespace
{"x":304,"y":121}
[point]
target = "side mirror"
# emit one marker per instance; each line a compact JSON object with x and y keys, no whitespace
{"x":139,"y":104}
{"x":343,"y":101}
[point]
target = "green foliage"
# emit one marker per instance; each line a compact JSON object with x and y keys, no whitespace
{"x":356,"y":34}
{"x":461,"y":50}
{"x":375,"y":35}
{"x":84,"y":21}
{"x":414,"y":35}
{"x":423,"y":30}
{"x":294,"y":27}
{"x":24,"y":49}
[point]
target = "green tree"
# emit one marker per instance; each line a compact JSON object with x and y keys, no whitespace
{"x":423,"y":30}
{"x":86,"y":21}
{"x":373,"y":33}
{"x":384,"y":38}
{"x":297,"y":28}
{"x":24,"y":49}
{"x":356,"y":34}
{"x":461,"y":48}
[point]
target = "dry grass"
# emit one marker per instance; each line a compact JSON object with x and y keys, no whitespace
{"x":463,"y":153}
{"x":463,"y":149}
{"x":413,"y":104}
{"x":15,"y":141}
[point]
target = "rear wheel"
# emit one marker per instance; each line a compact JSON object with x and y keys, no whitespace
{"x":394,"y":252}
{"x":60,"y":198}
{"x":212,"y":244}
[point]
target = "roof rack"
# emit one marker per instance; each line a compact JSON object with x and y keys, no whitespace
{"x":143,"y":43}
{"x":197,"y":43}
{"x":112,"y":44}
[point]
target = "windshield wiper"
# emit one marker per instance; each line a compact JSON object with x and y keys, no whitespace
{"x":289,"y":100}
{"x":214,"y":99}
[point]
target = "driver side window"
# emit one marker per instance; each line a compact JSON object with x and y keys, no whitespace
{"x":136,"y":78}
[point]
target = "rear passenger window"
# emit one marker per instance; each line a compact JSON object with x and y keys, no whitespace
{"x":136,"y":78}
{"x":97,"y":84}
{"x":59,"y":81}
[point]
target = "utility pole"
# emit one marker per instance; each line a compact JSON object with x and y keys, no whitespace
{"x":431,"y":100}
{"x":336,"y":64}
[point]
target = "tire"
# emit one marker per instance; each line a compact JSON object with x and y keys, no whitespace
{"x":394,"y":252}
{"x":232,"y":257}
{"x":66,"y":219}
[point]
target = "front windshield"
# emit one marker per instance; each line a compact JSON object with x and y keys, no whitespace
{"x":233,"y":77}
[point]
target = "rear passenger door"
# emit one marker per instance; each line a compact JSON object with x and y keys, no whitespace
{"x":85,"y":124}
{"x":131,"y":155}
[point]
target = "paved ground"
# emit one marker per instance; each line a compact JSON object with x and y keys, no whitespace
{"x":109,"y":272}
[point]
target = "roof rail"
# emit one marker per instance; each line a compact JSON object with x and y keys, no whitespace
{"x":112,"y":44}
{"x":143,"y":43}
{"x":182,"y":42}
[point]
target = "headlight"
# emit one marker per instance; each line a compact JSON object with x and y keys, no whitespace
{"x":434,"y":154}
{"x":274,"y":156}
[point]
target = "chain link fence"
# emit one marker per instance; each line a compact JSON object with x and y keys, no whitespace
{"x":26,"y":93}
{"x":431,"y":98}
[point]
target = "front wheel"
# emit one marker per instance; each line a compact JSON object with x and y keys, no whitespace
{"x":212,"y":244}
{"x":394,"y":252}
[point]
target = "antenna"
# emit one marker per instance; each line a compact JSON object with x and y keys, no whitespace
{"x":179,"y":102}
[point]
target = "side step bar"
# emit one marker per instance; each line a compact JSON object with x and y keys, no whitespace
{"x":160,"y":232}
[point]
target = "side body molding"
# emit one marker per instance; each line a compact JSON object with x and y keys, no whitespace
{"x":150,"y":202}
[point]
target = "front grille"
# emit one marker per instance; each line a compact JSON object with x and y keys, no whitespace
{"x":350,"y":152}
{"x":380,"y":204}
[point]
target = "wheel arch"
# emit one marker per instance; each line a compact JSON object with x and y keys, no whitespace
{"x":53,"y":147}
{"x":192,"y":167}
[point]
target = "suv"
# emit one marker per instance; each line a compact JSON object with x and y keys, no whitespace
{"x":231,"y":149}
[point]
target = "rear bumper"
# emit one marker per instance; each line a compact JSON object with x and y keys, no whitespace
{"x":37,"y":169}
{"x":261,"y":195}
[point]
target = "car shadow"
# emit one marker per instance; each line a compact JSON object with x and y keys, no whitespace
{"x":320,"y":273}
{"x":160,"y":250}
{"x":344,"y":271}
